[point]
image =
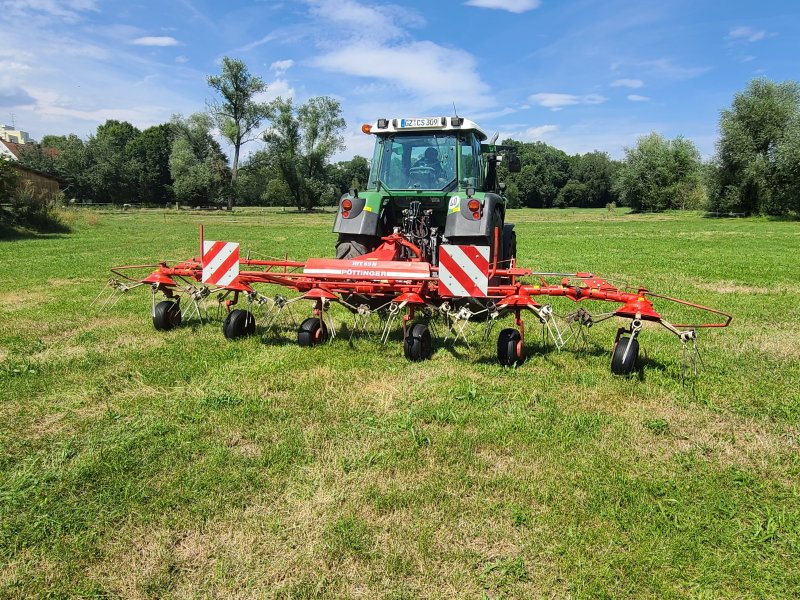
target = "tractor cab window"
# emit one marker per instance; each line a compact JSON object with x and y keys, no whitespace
{"x":415,"y":162}
{"x":470,"y":173}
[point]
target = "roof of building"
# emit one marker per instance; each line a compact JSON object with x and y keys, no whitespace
{"x":17,"y":149}
{"x":10,"y":147}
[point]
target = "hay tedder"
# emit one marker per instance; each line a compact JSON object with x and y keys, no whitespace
{"x":425,"y":243}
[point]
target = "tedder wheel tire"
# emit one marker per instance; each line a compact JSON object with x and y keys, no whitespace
{"x":627,"y":366}
{"x":311,"y":332}
{"x":167,"y":315}
{"x":239,"y":323}
{"x":353,"y":246}
{"x":417,"y":345}
{"x":508,"y":351}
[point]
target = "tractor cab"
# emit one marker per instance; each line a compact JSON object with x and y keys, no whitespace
{"x":434,"y":179}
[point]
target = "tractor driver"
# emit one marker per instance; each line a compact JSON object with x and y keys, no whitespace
{"x":431,"y":159}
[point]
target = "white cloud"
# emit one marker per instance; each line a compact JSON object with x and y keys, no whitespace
{"x":637,"y":98}
{"x":65,"y":10}
{"x":376,"y":22}
{"x":181,"y":59}
{"x":281,"y":66}
{"x":514,"y":6}
{"x":555,"y":101}
{"x":747,"y":34}
{"x":628,"y":83}
{"x":537,"y":133}
{"x":156,"y":40}
{"x":278,"y":88}
{"x":356,"y":143}
{"x":435,"y":75}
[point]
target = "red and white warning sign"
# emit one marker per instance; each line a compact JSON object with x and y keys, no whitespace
{"x":220,"y":262}
{"x":464,"y":271}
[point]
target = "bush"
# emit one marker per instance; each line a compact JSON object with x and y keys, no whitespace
{"x":37,"y":210}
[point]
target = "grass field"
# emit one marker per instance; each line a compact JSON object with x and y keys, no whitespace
{"x":139,"y":464}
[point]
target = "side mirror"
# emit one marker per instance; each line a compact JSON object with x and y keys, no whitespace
{"x":514,"y":164}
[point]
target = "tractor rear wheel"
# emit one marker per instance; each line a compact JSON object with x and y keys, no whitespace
{"x":626,"y":352}
{"x":509,"y":350}
{"x":167,"y":315}
{"x":311,"y":332}
{"x":353,"y":246}
{"x":417,"y":345}
{"x":239,"y":323}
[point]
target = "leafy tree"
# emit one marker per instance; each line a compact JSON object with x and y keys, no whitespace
{"x":36,"y":156}
{"x":239,"y":114}
{"x":71,"y":163}
{"x":573,"y":194}
{"x":757,"y":137}
{"x":787,"y":169}
{"x":660,"y":174}
{"x":111,"y":175}
{"x":545,"y":170}
{"x":596,"y":171}
{"x":197,"y":164}
{"x":8,"y":180}
{"x":301,"y":142}
{"x":352,"y":173}
{"x":150,"y":152}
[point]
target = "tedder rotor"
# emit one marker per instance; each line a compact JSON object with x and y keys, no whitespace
{"x":426,"y":239}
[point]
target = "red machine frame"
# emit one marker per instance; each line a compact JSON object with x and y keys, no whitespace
{"x":397,"y":274}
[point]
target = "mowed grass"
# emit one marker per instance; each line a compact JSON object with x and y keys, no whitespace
{"x":141,"y":464}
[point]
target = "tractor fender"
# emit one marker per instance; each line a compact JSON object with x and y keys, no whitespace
{"x":462,"y":224}
{"x":360,"y":220}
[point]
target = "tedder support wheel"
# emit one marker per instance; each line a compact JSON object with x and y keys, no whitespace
{"x":239,"y":323}
{"x":623,"y":360}
{"x":311,"y":332}
{"x":167,"y":315}
{"x":509,"y":350}
{"x":417,"y":345}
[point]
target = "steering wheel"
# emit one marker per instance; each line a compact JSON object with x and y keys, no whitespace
{"x":421,"y":174}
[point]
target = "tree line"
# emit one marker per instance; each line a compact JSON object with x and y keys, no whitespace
{"x":755,"y":169}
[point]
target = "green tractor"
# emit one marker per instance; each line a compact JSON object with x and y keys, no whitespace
{"x":435,"y":181}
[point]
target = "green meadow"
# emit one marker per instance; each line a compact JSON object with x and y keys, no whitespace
{"x":145,"y":464}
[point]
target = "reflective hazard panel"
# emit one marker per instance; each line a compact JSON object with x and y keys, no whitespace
{"x":220,"y":263}
{"x":463,"y":271}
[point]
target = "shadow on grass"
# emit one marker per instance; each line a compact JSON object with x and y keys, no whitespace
{"x":31,"y":225}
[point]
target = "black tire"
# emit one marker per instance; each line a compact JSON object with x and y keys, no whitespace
{"x":167,"y":315}
{"x":627,"y":366}
{"x":509,"y":249}
{"x":509,"y":244}
{"x":353,"y":246}
{"x":311,"y":332}
{"x":417,"y":345}
{"x":239,"y":323}
{"x":508,"y":351}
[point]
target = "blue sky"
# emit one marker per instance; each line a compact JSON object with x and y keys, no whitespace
{"x":580,"y":75}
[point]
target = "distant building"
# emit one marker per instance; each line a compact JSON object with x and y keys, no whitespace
{"x":9,"y":150}
{"x":9,"y":134}
{"x":45,"y":185}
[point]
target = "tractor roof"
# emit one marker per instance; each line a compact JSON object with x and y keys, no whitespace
{"x":424,"y":124}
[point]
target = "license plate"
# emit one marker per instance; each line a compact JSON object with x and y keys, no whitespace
{"x":421,"y":122}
